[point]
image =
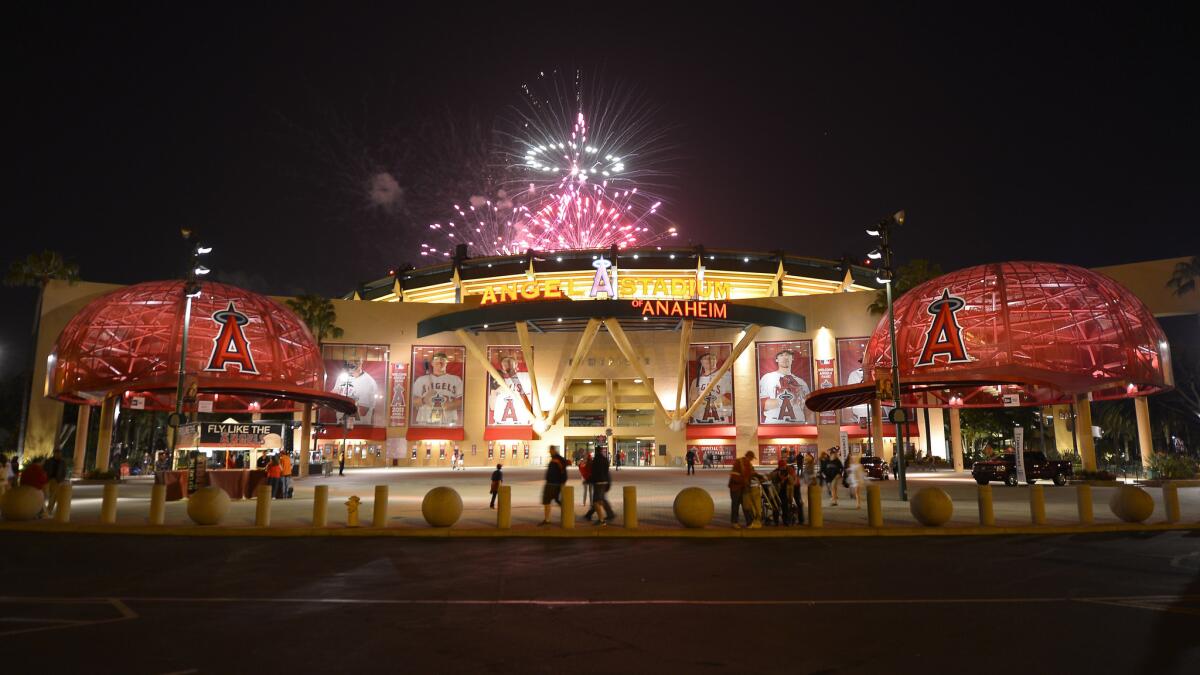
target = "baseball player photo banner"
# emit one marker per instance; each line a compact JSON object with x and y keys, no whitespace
{"x":850,"y":353}
{"x":436,"y":395}
{"x":704,"y":359}
{"x":359,"y":379}
{"x":503,"y":407}
{"x":784,"y":381}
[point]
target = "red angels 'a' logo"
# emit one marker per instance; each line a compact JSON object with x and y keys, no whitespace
{"x":945,"y":335}
{"x":231,"y":347}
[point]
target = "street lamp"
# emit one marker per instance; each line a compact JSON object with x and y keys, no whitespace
{"x":191,"y":289}
{"x":886,"y":276}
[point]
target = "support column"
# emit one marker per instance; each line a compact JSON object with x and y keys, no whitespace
{"x":877,"y":431}
{"x":108,"y":414}
{"x":1083,"y":431}
{"x":937,"y":433}
{"x":1141,"y":406}
{"x":956,"y":446}
{"x":82,"y":422}
{"x":305,"y":438}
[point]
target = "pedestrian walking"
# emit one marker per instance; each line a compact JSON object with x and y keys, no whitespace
{"x":497,"y":479}
{"x":274,"y":477}
{"x":856,"y":478}
{"x":4,"y":477}
{"x":739,"y":483}
{"x":585,"y":472}
{"x":832,"y":474}
{"x":56,"y":474}
{"x":691,"y":462}
{"x":342,"y":463}
{"x":601,"y":481}
{"x":556,"y":476}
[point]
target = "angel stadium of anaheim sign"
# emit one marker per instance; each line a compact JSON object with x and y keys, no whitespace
{"x":607,"y":283}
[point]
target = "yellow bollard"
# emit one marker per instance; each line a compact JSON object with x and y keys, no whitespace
{"x":568,"y":507}
{"x":379,"y":517}
{"x":108,"y":504}
{"x":874,"y":507}
{"x":320,"y":505}
{"x":504,"y":507}
{"x":1083,"y":500}
{"x":158,"y":504}
{"x":1171,"y":502}
{"x":987,"y":514}
{"x":1037,"y":504}
{"x":815,"y":518}
{"x":262,"y":506}
{"x":62,"y":508}
{"x":630,"y":506}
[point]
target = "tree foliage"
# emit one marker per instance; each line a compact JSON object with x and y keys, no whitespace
{"x":908,"y":277}
{"x":318,"y":314}
{"x":37,"y":269}
{"x":1183,"y":278}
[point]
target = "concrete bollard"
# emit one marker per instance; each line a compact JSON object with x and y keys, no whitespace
{"x":504,"y":507}
{"x":379,"y":516}
{"x":568,"y":507}
{"x":320,"y":506}
{"x":815,"y":517}
{"x":874,"y":507}
{"x":62,"y":507}
{"x":1037,"y":505}
{"x":262,"y":506}
{"x":987,"y":512}
{"x":158,"y":504}
{"x":1083,"y":501}
{"x":1171,"y":502}
{"x":630,"y":506}
{"x":108,"y":504}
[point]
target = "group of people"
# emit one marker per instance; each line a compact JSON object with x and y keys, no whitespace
{"x":788,"y":484}
{"x":279,"y":474}
{"x":459,"y":460}
{"x":41,"y":473}
{"x":593,"y":469}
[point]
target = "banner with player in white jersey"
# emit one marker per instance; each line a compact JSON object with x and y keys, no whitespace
{"x":704,"y":360}
{"x":436,"y":395}
{"x":359,"y":379}
{"x":503,"y":410}
{"x":784,"y":381}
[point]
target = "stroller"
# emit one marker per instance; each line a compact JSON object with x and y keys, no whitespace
{"x":772,"y":507}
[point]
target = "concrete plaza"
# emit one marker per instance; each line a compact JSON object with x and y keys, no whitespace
{"x":656,"y":490}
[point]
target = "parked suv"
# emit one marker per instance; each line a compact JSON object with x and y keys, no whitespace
{"x":1004,"y":468}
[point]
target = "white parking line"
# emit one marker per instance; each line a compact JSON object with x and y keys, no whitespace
{"x":58,"y":624}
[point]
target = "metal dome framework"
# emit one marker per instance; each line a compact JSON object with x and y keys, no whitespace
{"x":129,"y":342}
{"x":1046,"y":332}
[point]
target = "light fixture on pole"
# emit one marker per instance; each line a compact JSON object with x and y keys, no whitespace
{"x":191,"y":289}
{"x":886,"y":276}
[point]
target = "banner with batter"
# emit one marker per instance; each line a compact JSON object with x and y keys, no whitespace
{"x":704,"y":360}
{"x":507,"y":408}
{"x":850,"y":353}
{"x":784,"y":381}
{"x":361,"y":380}
{"x":437,"y":387}
{"x":398,"y":401}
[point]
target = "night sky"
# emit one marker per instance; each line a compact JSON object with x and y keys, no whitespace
{"x":1069,"y":136}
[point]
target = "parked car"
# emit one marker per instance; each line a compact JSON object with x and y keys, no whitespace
{"x":1037,"y":467}
{"x":875,"y":467}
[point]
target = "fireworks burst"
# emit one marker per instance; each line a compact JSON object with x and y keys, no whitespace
{"x":490,"y":226}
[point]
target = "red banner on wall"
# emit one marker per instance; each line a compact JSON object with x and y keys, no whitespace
{"x":398,"y":399}
{"x":825,"y":381}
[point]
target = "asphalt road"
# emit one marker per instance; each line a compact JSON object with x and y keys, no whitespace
{"x":1063,"y":604}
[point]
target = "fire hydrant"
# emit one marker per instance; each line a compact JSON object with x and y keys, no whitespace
{"x":352,"y":512}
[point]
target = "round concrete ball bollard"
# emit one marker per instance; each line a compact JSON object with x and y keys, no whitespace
{"x":1131,"y":504}
{"x":931,"y":506}
{"x":208,"y":506}
{"x":694,"y":507}
{"x":22,"y":503}
{"x":442,"y":506}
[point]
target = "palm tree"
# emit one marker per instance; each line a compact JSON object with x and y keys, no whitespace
{"x":1183,"y":279}
{"x":318,"y":314}
{"x":908,"y":276}
{"x":36,"y":271}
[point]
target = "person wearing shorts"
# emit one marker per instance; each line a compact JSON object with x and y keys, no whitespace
{"x":556,"y":475}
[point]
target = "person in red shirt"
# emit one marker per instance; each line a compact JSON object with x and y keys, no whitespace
{"x":34,"y":475}
{"x":739,"y":482}
{"x":274,"y":476}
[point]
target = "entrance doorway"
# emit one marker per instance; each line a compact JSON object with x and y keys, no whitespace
{"x":638,"y":451}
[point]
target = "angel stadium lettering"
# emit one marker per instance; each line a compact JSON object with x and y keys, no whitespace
{"x":699,"y":309}
{"x":626,"y":287}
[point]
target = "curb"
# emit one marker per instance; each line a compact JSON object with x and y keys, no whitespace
{"x":582,"y":533}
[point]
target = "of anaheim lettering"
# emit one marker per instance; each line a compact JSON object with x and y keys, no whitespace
{"x":700,"y":309}
{"x":944,"y":337}
{"x":230,"y":346}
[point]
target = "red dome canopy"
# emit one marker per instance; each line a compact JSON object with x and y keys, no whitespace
{"x":1044,"y":331}
{"x":238,"y":343}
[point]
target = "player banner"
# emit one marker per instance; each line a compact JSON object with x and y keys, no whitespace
{"x":437,"y":387}
{"x":398,"y":401}
{"x":784,"y":377}
{"x":850,"y":353}
{"x":360,"y":380}
{"x":503,"y":407}
{"x":704,"y":360}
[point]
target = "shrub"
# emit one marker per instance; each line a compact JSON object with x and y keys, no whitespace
{"x":101,"y":475}
{"x":1167,"y":466}
{"x":1093,"y":475}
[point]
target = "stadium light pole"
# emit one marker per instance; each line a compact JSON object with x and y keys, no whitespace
{"x":191,"y":289}
{"x":887,"y":275}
